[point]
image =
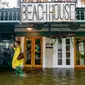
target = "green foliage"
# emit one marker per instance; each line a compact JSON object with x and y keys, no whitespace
{"x":83,"y":56}
{"x":78,"y":54}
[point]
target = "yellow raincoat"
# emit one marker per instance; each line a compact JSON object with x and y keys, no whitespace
{"x":15,"y":61}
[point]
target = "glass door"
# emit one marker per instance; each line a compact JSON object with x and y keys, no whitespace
{"x":64,"y":53}
{"x":80,"y":52}
{"x":59,"y":51}
{"x":68,"y":51}
{"x":28,"y":51}
{"x":38,"y":51}
{"x":33,"y":51}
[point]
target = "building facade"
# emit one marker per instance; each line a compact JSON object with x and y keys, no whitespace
{"x":52,"y":32}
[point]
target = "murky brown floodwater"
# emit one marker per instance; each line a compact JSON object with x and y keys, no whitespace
{"x":45,"y":77}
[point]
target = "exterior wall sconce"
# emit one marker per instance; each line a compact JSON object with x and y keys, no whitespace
{"x":29,"y":28}
{"x":36,"y":26}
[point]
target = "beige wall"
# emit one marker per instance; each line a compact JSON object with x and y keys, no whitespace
{"x":49,"y":54}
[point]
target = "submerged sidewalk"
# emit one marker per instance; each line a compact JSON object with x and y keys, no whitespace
{"x":44,"y":77}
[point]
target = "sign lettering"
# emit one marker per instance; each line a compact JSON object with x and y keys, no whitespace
{"x":47,"y":12}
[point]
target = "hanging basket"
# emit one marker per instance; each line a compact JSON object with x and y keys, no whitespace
{"x":74,"y":26}
{"x":38,"y":26}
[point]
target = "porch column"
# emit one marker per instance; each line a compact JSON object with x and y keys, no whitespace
{"x":22,"y":43}
{"x":55,"y":53}
{"x":72,"y":52}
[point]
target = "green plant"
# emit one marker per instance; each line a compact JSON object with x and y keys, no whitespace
{"x":83,"y":56}
{"x":78,"y":55}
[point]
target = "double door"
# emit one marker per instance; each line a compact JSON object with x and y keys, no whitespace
{"x":63,"y":53}
{"x":33,"y":51}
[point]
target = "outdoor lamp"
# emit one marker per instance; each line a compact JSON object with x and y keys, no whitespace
{"x":29,"y":28}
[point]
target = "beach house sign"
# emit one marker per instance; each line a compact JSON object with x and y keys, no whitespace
{"x":47,"y":12}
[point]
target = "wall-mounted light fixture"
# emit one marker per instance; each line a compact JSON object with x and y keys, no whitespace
{"x":29,"y":28}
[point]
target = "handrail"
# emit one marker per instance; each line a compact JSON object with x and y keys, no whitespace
{"x":10,"y":15}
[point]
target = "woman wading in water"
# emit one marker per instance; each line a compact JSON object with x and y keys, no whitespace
{"x":18,"y":64}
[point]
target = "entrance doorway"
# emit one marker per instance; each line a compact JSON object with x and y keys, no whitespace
{"x":80,"y":52}
{"x":63,"y":53}
{"x":33,"y":52}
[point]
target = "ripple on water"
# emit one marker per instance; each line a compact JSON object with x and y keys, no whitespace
{"x":46,"y":77}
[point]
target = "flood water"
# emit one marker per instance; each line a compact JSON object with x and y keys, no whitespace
{"x":44,"y":77}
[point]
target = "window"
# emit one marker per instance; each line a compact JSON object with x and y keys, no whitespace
{"x":67,"y":51}
{"x":80,"y":51}
{"x":80,"y":14}
{"x":59,"y":51}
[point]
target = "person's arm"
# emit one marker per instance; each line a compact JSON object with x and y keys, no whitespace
{"x":14,"y":48}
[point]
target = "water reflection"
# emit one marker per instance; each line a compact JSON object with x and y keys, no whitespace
{"x":64,"y":76}
{"x":45,"y":77}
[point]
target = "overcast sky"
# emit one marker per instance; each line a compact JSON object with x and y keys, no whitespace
{"x":12,"y":3}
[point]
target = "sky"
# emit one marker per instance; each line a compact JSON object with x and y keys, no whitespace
{"x":12,"y":3}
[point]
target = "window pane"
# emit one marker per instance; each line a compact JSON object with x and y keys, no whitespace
{"x":82,"y":15}
{"x":28,"y":50}
{"x":77,"y":61}
{"x":37,"y":58}
{"x":37,"y":51}
{"x":67,"y":61}
{"x":67,"y":41}
{"x":78,"y":55}
{"x":77,"y":44}
{"x":67,"y":47}
{"x":37,"y":47}
{"x":67,"y":54}
{"x":37,"y":41}
{"x":67,"y":51}
{"x":59,"y":51}
{"x":81,"y":61}
{"x":59,"y":54}
{"x":59,"y":61}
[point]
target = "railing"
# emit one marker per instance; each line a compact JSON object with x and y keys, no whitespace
{"x":9,"y":15}
{"x":80,"y":14}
